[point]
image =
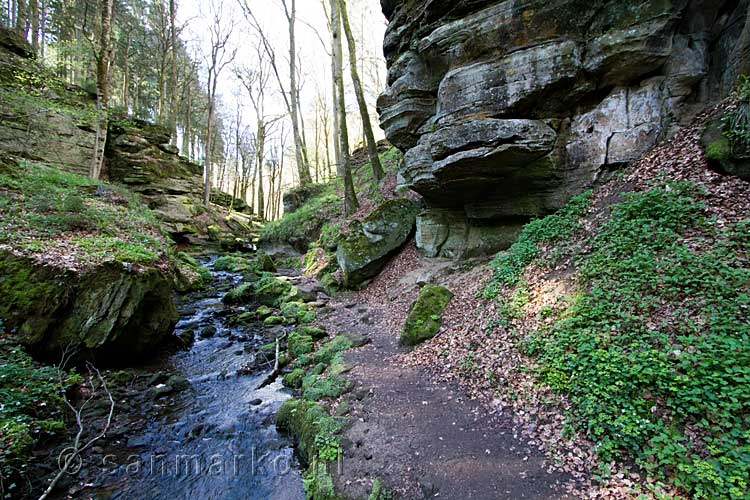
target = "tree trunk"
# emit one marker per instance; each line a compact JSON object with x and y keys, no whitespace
{"x":344,"y":167}
{"x":173,"y":75}
{"x":34,"y":15}
{"x":209,"y":141}
{"x":302,"y":167}
{"x":260,"y":144}
{"x":372,"y":147}
{"x":103,"y":61}
{"x":126,"y":73}
{"x":22,"y":24}
{"x":186,"y":150}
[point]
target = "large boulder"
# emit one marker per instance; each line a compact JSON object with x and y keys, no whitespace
{"x":425,"y":315}
{"x":113,"y":312}
{"x":366,"y":248}
{"x":505,"y":110}
{"x":722,"y":153}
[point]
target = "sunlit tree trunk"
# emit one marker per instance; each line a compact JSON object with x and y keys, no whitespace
{"x":372,"y":147}
{"x":344,"y":166}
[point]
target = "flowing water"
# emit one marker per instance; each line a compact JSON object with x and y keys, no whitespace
{"x":218,"y":439}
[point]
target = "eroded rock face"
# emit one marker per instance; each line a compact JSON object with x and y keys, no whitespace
{"x":505,"y":109}
{"x":113,"y":312}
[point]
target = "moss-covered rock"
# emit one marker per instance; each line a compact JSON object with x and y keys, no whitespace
{"x":424,"y":318}
{"x":273,"y":320}
{"x":299,"y":344}
{"x":109,"y":310}
{"x":330,"y":349}
{"x":320,"y":387}
{"x":294,"y":378}
{"x":297,"y":312}
{"x":266,"y":263}
{"x":364,"y":251}
{"x":263,"y":312}
{"x":306,"y":421}
{"x":231,"y":263}
{"x":720,"y":152}
{"x":189,"y":274}
{"x":315,"y":332}
{"x":272,"y":291}
{"x":241,"y":294}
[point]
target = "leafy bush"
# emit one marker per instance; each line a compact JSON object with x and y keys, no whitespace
{"x":737,"y":122}
{"x":654,"y":350}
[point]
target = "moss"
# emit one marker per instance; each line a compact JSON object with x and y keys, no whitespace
{"x":273,"y":320}
{"x":719,"y":150}
{"x":231,"y":263}
{"x":272,"y":291}
{"x":331,"y":386}
{"x":263,"y":312}
{"x":298,"y":344}
{"x":303,"y":226}
{"x":313,"y":428}
{"x":294,"y":378}
{"x":297,"y":312}
{"x":330,"y":349}
{"x":315,"y":332}
{"x":360,"y":256}
{"x":241,"y":294}
{"x":189,"y":274}
{"x":424,"y":319}
{"x":31,"y":296}
{"x":265,"y":263}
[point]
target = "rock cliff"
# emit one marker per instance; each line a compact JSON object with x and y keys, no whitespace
{"x":505,"y":109}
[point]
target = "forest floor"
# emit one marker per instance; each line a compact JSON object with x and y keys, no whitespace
{"x":424,"y":437}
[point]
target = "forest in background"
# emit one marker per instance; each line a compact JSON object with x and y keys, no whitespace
{"x":237,"y":91}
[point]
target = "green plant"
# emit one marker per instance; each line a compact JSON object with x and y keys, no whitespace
{"x":508,"y":267}
{"x":653,"y":351}
{"x":737,"y":122}
{"x":32,"y":407}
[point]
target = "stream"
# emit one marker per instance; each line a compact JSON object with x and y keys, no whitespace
{"x":216,"y":439}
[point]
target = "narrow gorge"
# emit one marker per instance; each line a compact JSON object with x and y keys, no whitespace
{"x":534,"y":285}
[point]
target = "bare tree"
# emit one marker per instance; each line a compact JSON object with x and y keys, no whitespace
{"x":95,"y":387}
{"x":220,"y":32}
{"x":372,"y":147}
{"x":291,"y":97}
{"x":255,"y":80}
{"x":344,"y":167}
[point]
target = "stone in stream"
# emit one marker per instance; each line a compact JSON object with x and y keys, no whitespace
{"x":208,"y":332}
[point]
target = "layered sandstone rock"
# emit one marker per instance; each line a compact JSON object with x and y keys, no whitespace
{"x":505,"y":109}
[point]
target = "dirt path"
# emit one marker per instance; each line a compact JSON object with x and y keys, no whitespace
{"x":424,"y":438}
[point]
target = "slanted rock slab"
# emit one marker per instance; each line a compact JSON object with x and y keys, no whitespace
{"x":424,"y":318}
{"x":364,"y":251}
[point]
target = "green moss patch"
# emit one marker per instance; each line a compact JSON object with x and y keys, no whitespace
{"x":424,"y":319}
{"x":241,"y":294}
{"x":272,"y":291}
{"x":43,"y":207}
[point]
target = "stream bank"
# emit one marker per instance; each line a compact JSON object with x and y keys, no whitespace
{"x":198,"y":423}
